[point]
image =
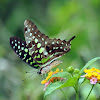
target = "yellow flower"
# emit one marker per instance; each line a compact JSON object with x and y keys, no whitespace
{"x":98,"y":77}
{"x":50,"y":73}
{"x":85,"y":70}
{"x":61,"y":70}
{"x":93,"y":75}
{"x":43,"y":81}
{"x":49,"y":76}
{"x":92,"y":69}
{"x":53,"y":79}
{"x":97,"y":70}
{"x":57,"y":70}
{"x":88,"y":75}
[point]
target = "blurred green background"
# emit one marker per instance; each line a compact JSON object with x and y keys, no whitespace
{"x":57,"y":19}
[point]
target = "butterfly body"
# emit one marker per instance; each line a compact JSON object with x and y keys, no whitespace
{"x":48,"y":67}
{"x":38,"y":50}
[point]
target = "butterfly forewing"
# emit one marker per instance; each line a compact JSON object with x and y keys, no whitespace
{"x":35,"y":40}
{"x":20,"y":48}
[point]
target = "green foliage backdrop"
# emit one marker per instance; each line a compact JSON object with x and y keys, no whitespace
{"x":57,"y":19}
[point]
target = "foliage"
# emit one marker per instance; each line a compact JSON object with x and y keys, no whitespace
{"x":72,"y":79}
{"x":57,"y":19}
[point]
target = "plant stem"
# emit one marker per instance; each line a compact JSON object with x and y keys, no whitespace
{"x":77,"y":95}
{"x":76,"y":87}
{"x":64,"y":94}
{"x":90,"y":92}
{"x":77,"y":91}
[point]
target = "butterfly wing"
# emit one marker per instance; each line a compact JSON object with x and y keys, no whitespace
{"x":20,"y":48}
{"x":58,"y":48}
{"x":36,"y":41}
{"x":41,"y":47}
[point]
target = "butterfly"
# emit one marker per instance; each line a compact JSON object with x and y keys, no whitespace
{"x":38,"y":50}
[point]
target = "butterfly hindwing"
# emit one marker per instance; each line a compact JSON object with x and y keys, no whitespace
{"x":21,"y":49}
{"x":41,"y":47}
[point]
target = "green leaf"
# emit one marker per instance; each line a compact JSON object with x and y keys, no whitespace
{"x":62,"y":75}
{"x":70,"y":82}
{"x":89,"y":63}
{"x":52,"y":87}
{"x":81,"y":80}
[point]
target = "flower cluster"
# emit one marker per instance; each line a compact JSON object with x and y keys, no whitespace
{"x":47,"y":81}
{"x":93,"y":75}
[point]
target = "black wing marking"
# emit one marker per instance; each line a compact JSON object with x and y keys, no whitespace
{"x":20,"y":48}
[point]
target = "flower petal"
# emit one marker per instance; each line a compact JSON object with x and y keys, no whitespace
{"x":93,"y":80}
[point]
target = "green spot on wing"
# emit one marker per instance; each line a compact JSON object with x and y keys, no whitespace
{"x":35,"y":56}
{"x":36,"y":51}
{"x":20,"y":53}
{"x":36,"y":40}
{"x":22,"y":43}
{"x":39,"y":61}
{"x":18,"y":47}
{"x":31,"y":63}
{"x":27,"y":60}
{"x":38,"y":45}
{"x":25,"y":55}
{"x":26,"y":50}
{"x":29,"y":53}
{"x":30,"y":58}
{"x":44,"y":59}
{"x":38,"y":56}
{"x":22,"y":48}
{"x":36,"y":65}
{"x":16,"y":51}
{"x":15,"y":44}
{"x":41,"y":50}
{"x":13,"y":47}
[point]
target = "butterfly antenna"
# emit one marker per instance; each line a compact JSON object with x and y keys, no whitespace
{"x":28,"y":77}
{"x":31,"y":71}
